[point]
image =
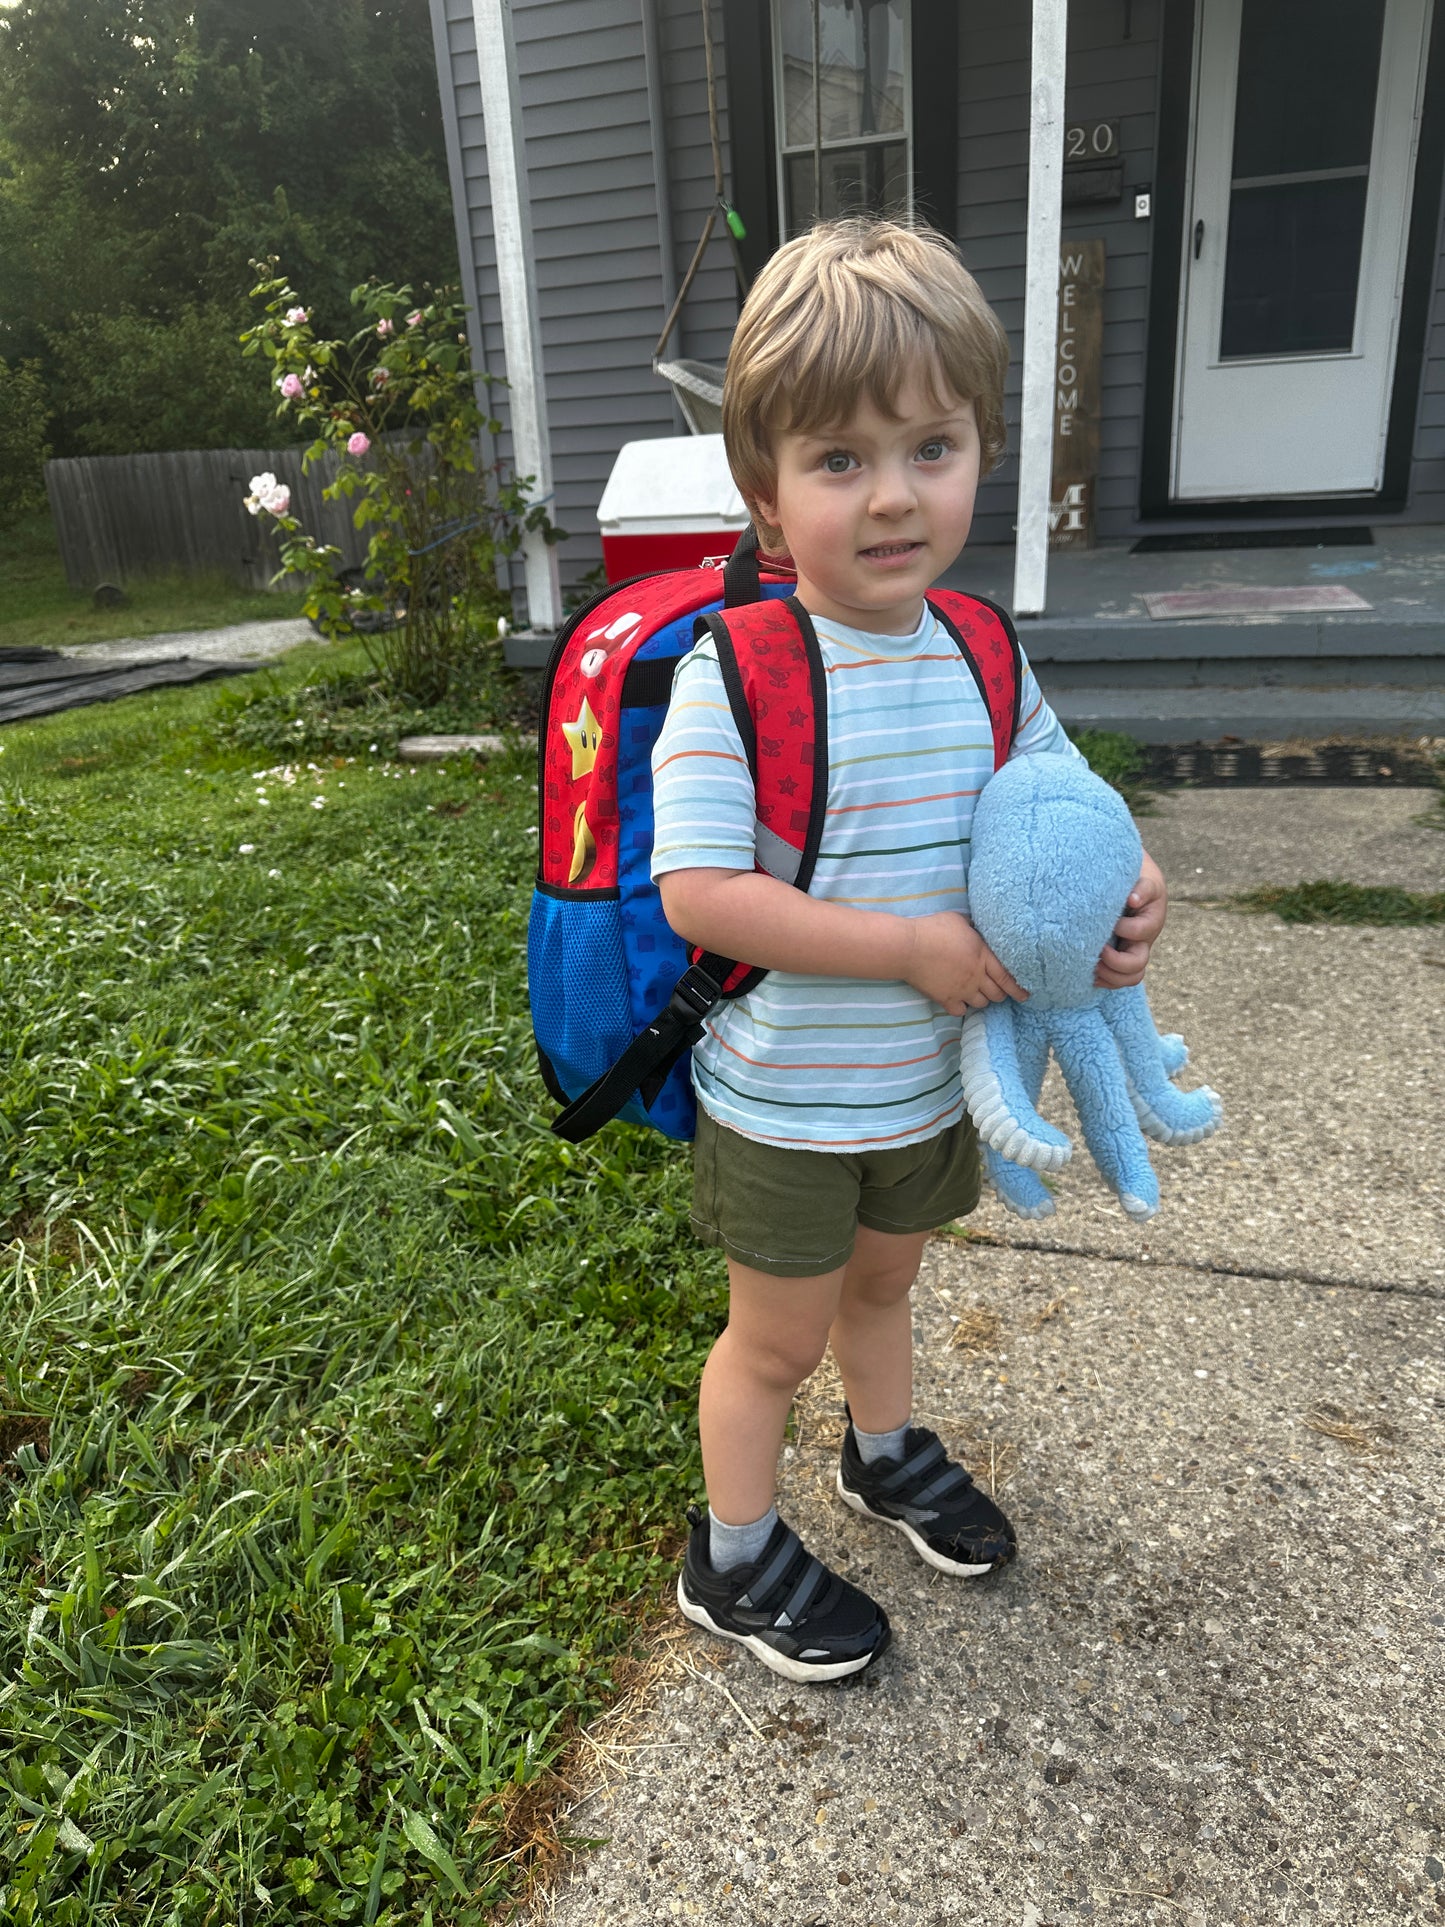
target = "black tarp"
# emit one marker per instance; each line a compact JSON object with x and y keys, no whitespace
{"x":33,"y":682}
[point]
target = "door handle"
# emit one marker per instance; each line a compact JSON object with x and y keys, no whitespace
{"x":1198,"y":238}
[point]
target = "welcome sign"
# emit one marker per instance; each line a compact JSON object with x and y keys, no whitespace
{"x":1078,"y":382}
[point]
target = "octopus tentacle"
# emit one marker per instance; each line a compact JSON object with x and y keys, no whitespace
{"x":998,"y":1103}
{"x":1089,"y":1059}
{"x":1019,"y":1190}
{"x":1167,"y":1115}
{"x":1173,"y":1051}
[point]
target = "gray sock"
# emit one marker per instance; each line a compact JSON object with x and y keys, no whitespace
{"x":730,"y":1546}
{"x":882,"y":1445}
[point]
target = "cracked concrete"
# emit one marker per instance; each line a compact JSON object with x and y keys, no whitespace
{"x":1210,"y":1689}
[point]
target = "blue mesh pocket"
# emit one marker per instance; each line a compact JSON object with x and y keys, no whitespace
{"x":577,"y":982}
{"x":582,"y":1013}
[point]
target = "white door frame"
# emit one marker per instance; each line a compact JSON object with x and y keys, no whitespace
{"x":1382,"y":273}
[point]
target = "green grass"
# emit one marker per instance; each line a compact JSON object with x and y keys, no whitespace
{"x":1329,"y":901}
{"x":346,"y":1415}
{"x":40,"y":609}
{"x":1120,"y":761}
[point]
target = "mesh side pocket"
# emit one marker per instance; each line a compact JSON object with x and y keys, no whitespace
{"x":577,"y":984}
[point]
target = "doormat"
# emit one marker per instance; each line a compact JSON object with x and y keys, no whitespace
{"x":1191,"y":540}
{"x":1309,"y":598}
{"x":1254,"y":765}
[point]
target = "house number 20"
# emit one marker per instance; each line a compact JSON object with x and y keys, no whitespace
{"x":1092,"y":141}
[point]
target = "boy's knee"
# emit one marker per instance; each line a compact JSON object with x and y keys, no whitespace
{"x":783,"y":1362}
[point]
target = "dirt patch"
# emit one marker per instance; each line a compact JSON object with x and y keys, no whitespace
{"x":23,"y":1428}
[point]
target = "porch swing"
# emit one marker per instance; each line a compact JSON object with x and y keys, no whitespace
{"x":698,"y":385}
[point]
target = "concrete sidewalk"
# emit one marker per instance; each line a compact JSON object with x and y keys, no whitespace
{"x":238,"y":642}
{"x":1210,"y":1688}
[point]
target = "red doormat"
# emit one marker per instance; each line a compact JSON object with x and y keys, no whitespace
{"x":1313,"y":598}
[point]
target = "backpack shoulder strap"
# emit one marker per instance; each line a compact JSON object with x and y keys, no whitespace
{"x":772,"y":669}
{"x":988,"y":644}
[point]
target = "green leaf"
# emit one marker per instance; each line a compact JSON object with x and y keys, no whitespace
{"x":419,"y":1832}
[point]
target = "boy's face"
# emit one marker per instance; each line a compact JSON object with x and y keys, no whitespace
{"x":875,"y":511}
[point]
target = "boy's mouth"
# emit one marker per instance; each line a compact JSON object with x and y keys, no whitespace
{"x":883,"y":551}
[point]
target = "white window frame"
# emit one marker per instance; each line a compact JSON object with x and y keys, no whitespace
{"x":785,"y":153}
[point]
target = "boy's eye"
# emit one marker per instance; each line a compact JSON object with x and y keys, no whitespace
{"x":935,"y":450}
{"x":837,"y":462}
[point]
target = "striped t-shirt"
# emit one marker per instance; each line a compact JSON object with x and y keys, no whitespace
{"x":836,"y":1063}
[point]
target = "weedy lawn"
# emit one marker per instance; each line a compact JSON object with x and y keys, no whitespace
{"x":345,"y":1414}
{"x":41,"y":608}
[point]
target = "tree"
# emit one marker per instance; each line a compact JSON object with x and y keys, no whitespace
{"x":153,"y":148}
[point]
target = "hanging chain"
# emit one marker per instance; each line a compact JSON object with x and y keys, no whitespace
{"x":817,"y":110}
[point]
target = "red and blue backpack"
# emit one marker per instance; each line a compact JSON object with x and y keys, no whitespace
{"x":617,"y":999}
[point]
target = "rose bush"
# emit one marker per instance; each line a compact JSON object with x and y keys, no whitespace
{"x":397,"y":404}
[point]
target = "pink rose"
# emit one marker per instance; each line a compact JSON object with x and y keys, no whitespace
{"x":295,"y":316}
{"x":291,"y":386}
{"x":385,"y":326}
{"x":269,"y":494}
{"x":415,"y":318}
{"x":358,"y":444}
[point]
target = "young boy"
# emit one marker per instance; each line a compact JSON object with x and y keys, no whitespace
{"x":864,"y":399}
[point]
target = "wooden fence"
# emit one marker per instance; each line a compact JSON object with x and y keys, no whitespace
{"x":121,"y":516}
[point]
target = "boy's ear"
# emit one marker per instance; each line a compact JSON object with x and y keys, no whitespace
{"x":765,"y":523}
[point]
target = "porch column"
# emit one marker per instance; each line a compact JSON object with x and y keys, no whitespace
{"x":1041,"y":304}
{"x":517,"y":287}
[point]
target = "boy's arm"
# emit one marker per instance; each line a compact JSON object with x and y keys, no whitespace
{"x":748,"y":915}
{"x":1125,"y":960}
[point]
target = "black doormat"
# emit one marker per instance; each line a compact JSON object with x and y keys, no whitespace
{"x":1195,"y":539}
{"x":1250,"y":765}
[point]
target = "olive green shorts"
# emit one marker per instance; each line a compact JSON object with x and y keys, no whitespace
{"x":794,"y":1213}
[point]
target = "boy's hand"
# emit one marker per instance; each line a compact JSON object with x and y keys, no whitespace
{"x":953,"y":965}
{"x":1126,"y":957}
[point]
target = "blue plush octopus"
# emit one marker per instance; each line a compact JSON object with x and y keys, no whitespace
{"x":1055,"y":854}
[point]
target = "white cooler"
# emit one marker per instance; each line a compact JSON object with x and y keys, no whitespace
{"x":669,"y":505}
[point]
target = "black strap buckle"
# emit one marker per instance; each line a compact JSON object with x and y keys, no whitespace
{"x":693,"y":995}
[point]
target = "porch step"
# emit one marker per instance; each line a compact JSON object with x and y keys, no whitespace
{"x":1166,"y":712}
{"x":1105,"y":663}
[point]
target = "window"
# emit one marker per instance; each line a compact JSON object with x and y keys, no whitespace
{"x":860,"y":116}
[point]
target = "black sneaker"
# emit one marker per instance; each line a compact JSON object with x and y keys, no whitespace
{"x":788,"y":1609}
{"x":951,"y":1524}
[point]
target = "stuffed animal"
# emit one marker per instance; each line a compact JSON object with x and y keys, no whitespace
{"x":1054,"y":856}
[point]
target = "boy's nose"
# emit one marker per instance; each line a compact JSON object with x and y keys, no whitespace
{"x":893,"y":491}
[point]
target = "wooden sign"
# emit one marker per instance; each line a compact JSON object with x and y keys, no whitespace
{"x":1078,"y":385}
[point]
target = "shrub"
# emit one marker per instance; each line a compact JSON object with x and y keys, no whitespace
{"x":23,"y":448}
{"x":398,"y":402}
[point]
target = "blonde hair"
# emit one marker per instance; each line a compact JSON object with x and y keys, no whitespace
{"x":853,"y":308}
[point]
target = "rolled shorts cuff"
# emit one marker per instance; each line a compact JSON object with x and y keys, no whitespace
{"x":794,"y":1212}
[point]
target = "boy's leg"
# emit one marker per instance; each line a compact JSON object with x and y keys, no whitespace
{"x":872,"y":1332}
{"x":905,"y":1477}
{"x":775,"y":1598}
{"x":777,"y":1331}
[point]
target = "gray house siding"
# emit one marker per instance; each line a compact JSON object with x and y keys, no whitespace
{"x":590,"y":174}
{"x":603,"y":284}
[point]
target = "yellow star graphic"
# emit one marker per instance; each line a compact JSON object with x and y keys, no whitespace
{"x":583,"y":735}
{"x":584,"y":848}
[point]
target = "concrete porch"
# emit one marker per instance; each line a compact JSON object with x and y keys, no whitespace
{"x":1105,"y":663}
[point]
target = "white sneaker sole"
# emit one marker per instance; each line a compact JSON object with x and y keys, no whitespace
{"x":800,"y":1670}
{"x":919,"y":1544}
